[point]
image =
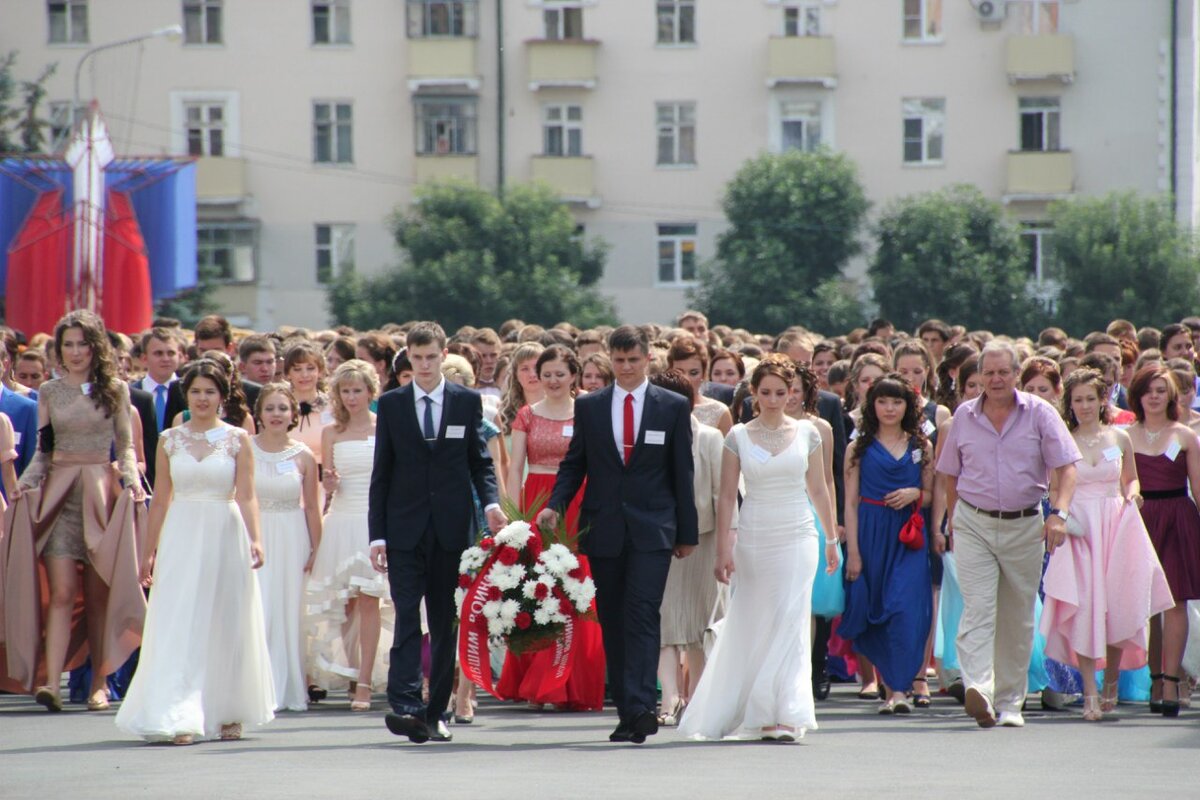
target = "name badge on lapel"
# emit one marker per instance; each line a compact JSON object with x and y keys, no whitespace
{"x":916,"y":456}
{"x":928,"y":428}
{"x":1172,"y":451}
{"x":216,"y":434}
{"x":656,"y":437}
{"x":371,"y":442}
{"x":568,"y":431}
{"x":285,"y":467}
{"x":16,"y":437}
{"x":759,"y":454}
{"x":456,"y":431}
{"x":1112,"y":453}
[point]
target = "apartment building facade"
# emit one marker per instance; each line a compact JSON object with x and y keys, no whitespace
{"x":314,"y":120}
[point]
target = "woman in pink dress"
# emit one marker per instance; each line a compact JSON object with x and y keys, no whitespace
{"x":1103,"y":584}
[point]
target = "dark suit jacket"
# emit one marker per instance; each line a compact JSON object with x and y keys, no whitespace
{"x":175,"y":405}
{"x":23,"y":414}
{"x":414,"y":486}
{"x":717,"y":391}
{"x":251,"y":390}
{"x":650,"y":502}
{"x":829,"y":408}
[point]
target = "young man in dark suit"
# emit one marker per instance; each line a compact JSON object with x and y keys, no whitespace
{"x":633,"y":443}
{"x":429,"y":453}
{"x":160,"y":355}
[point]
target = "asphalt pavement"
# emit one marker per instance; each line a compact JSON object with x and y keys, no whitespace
{"x":514,"y":752}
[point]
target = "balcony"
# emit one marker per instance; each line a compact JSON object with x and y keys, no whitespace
{"x":220,"y":180}
{"x":562,"y":63}
{"x":442,"y":62}
{"x":801,"y":59}
{"x":1039,"y":175}
{"x":572,"y":177}
{"x":447,"y":168}
{"x":1039,"y":58}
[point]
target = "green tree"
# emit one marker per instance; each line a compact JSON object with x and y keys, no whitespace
{"x":1122,"y":256}
{"x":191,"y":304}
{"x":794,"y":222}
{"x":952,"y":254}
{"x":21,"y":124}
{"x":471,"y":258}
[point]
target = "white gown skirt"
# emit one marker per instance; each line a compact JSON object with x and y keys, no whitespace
{"x":282,"y":580}
{"x":204,"y":660}
{"x":760,"y":671}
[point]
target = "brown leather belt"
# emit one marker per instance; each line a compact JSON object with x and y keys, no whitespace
{"x":1024,"y":512}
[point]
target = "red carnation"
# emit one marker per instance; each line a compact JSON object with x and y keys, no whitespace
{"x":524,"y":620}
{"x":507,"y":556}
{"x":494,"y":593}
{"x":565,"y":608}
{"x":540,"y":591}
{"x":577,"y":573}
{"x":534,"y":546}
{"x":464,"y":581}
{"x":559,"y":593}
{"x":487,"y":544}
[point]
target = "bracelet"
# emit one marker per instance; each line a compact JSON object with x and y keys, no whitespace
{"x":832,"y":541}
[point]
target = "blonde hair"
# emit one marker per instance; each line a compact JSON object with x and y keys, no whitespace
{"x":514,"y":395}
{"x":346,"y":372}
{"x":455,"y":367}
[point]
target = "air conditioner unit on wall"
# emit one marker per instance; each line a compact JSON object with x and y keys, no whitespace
{"x":990,"y":10}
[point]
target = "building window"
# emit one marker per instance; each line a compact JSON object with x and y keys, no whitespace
{"x":800,"y":124}
{"x":922,"y":20}
{"x":446,"y":126}
{"x":676,"y":253}
{"x":1039,"y":249}
{"x":562,"y":131}
{"x":227,"y":251}
{"x":331,"y":21}
{"x":802,"y":20}
{"x":335,"y":251}
{"x":454,"y":18}
{"x":1040,"y":124}
{"x":68,"y":21}
{"x":205,"y":128}
{"x":563,"y":22}
{"x":202,"y":21}
{"x":333,"y":133}
{"x":63,"y":122}
{"x":1036,"y":16}
{"x":676,"y":21}
{"x":924,"y":130}
{"x":676,"y":133}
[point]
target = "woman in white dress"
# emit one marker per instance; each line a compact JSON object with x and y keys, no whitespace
{"x":758,"y":682}
{"x":204,"y":671}
{"x":344,"y":590}
{"x":285,"y":480}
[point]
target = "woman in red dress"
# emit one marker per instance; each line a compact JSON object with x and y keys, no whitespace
{"x":540,"y":436}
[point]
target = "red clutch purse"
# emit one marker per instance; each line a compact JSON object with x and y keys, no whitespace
{"x":912,"y":535}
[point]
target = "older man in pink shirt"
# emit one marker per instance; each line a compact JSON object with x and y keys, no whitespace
{"x":997,"y":461}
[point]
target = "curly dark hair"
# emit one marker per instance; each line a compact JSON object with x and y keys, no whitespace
{"x":891,"y":385}
{"x":1084,"y":376}
{"x":235,"y":405}
{"x":103,"y":373}
{"x":808,"y":387}
{"x":206,"y":368}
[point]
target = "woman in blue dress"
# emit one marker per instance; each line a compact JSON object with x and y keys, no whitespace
{"x":888,"y":603}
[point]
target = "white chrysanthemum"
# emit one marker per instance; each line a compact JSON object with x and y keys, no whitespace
{"x":514,"y":534}
{"x":491,"y":609}
{"x":496,"y":627}
{"x":472,"y":559}
{"x":541,"y":617}
{"x":507,"y":578}
{"x":508,"y":611}
{"x":529,"y":589}
{"x":459,"y":596}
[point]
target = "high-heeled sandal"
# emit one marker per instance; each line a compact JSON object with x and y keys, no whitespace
{"x":361,"y":705}
{"x":669,"y":718}
{"x":1091,"y":708}
{"x":921,"y":699}
{"x":184,"y":739}
{"x":316,"y":694}
{"x":1170,"y":708}
{"x":1109,"y":697}
{"x":231,"y":732}
{"x":1156,"y":706}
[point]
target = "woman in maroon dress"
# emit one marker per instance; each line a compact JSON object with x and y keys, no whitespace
{"x":540,"y":435}
{"x":1168,"y":461}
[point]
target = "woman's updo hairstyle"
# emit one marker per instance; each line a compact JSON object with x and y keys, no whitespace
{"x":775,"y":364}
{"x":206,"y":368}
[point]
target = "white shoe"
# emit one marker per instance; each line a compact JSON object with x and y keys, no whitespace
{"x":1011,"y":719}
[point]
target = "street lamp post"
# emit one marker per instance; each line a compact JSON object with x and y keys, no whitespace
{"x":171,"y":31}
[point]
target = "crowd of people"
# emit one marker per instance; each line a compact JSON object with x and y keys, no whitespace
{"x":213,"y":525}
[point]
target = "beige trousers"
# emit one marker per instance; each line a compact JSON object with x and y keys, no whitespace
{"x":999,"y":568}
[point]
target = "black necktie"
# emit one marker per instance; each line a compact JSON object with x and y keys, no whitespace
{"x":429,"y":432}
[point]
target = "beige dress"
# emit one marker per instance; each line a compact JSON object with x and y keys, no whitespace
{"x":691,"y":595}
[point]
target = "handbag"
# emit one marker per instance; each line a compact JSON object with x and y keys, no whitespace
{"x":912,"y":534}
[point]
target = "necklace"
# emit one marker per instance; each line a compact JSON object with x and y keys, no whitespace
{"x":1091,"y":441}
{"x":772,"y":439}
{"x":1152,"y":436}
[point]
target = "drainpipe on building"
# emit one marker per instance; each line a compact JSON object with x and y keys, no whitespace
{"x":1174,"y":102}
{"x":500,"y":115}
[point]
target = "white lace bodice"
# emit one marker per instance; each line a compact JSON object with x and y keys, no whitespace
{"x":203,"y":465}
{"x":277,"y":478}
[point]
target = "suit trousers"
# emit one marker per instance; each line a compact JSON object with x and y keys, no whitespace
{"x":629,"y":593}
{"x":427,"y":572}
{"x":999,"y":570}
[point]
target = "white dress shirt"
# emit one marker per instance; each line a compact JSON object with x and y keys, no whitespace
{"x":618,"y":414}
{"x":438,"y":396}
{"x":149,"y":384}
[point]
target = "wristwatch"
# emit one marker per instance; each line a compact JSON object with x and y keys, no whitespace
{"x":1060,"y":513}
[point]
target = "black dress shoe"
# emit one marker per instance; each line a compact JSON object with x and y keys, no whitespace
{"x":440,"y":733}
{"x":408,"y":725}
{"x":316,"y":694}
{"x":643,"y":725}
{"x":621,"y":734}
{"x":821,"y":686}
